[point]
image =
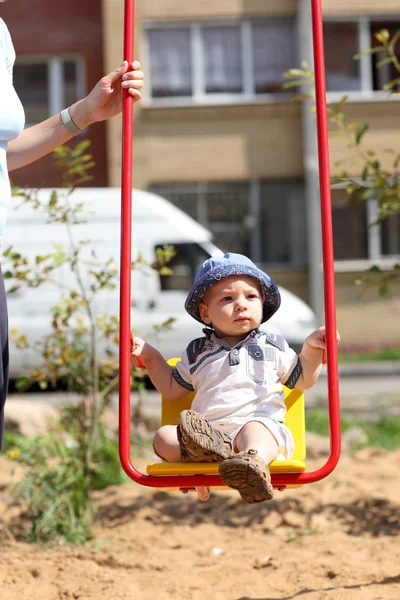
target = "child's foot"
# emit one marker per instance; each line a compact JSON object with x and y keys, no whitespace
{"x":249,"y":474}
{"x":199,"y":442}
{"x":203,"y":493}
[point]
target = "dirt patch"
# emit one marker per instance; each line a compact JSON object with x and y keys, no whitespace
{"x":335,"y":539}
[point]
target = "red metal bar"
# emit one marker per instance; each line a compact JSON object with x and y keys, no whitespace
{"x":126,"y":250}
{"x":281,"y":480}
{"x":327,"y":247}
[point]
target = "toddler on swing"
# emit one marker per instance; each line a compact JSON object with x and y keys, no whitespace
{"x":237,"y":372}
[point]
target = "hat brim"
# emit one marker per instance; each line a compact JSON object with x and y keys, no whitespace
{"x":272,"y":297}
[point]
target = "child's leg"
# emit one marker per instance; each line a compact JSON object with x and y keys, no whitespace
{"x":166,"y":444}
{"x":167,"y":447}
{"x":256,"y":436}
{"x":248,"y":472}
{"x":199,"y":441}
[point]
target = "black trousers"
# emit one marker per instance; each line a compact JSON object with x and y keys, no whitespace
{"x":4,"y":355}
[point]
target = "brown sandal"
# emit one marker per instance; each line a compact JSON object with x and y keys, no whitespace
{"x":199,"y":442}
{"x":249,"y":474}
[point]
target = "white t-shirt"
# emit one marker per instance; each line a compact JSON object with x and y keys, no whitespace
{"x":233,"y":384}
{"x":12,"y":117}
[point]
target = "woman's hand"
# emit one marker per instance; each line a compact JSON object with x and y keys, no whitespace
{"x":103,"y":102}
{"x":105,"y":99}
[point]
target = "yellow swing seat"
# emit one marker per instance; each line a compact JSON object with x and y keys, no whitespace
{"x":294,"y":420}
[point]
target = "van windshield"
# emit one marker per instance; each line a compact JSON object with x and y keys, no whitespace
{"x":185,"y":264}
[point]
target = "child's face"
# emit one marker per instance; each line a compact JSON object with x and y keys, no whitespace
{"x":233,"y":306}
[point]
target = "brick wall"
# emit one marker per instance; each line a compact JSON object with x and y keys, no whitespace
{"x":48,"y":27}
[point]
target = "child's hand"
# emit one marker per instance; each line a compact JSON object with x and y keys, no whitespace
{"x":137,"y":345}
{"x":317,"y":341}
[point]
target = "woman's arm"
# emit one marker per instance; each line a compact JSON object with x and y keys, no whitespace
{"x":103,"y":102}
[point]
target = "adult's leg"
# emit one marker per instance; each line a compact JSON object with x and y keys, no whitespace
{"x":4,"y":356}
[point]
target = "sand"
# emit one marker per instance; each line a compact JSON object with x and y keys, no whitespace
{"x":335,"y":539}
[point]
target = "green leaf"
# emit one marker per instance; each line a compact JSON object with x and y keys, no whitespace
{"x":375,"y":269}
{"x":40,"y":259}
{"x":53,"y":199}
{"x":301,"y":97}
{"x":292,"y":84}
{"x":305,"y":66}
{"x":351,"y":187}
{"x":293,"y":73}
{"x":382,"y":36}
{"x":374,"y":50}
{"x":384,"y":62}
{"x":360,"y":131}
{"x":392,"y":84}
{"x":13,"y":289}
{"x":383,"y":288}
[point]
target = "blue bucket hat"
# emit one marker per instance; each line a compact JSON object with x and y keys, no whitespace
{"x":218,"y":267}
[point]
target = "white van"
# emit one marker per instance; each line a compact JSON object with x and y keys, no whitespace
{"x":154,"y":298}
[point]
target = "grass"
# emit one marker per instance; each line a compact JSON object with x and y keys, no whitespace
{"x":107,"y":469}
{"x":384,"y":433}
{"x":376,"y":355}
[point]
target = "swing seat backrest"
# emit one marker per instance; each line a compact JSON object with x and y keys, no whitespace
{"x":294,"y":420}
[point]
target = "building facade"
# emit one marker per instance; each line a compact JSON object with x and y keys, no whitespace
{"x":219,"y":135}
{"x":59,"y":59}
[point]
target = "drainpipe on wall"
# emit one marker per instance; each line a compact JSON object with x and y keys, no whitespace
{"x":310,"y":164}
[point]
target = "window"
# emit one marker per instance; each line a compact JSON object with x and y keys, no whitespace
{"x":350,"y":230}
{"x":171,"y":73}
{"x":185,"y":265}
{"x":221,"y":207}
{"x":223,"y":69}
{"x":273,"y":54}
{"x":357,"y":233}
{"x":341,"y":44}
{"x":390,"y":236}
{"x":385,"y":73}
{"x":283,"y":226}
{"x":262,"y":219}
{"x":47,"y":85}
{"x":345,"y":39}
{"x":204,"y":61}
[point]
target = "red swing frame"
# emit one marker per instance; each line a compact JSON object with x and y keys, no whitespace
{"x":190,"y":481}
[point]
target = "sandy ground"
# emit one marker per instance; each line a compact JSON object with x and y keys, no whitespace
{"x":335,"y":539}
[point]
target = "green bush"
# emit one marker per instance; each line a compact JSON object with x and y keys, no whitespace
{"x":383,"y":433}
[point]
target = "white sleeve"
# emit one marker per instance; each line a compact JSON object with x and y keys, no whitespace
{"x":289,"y":366}
{"x":7,"y":48}
{"x":182,"y":374}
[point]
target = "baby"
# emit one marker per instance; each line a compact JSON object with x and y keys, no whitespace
{"x":237,"y":371}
